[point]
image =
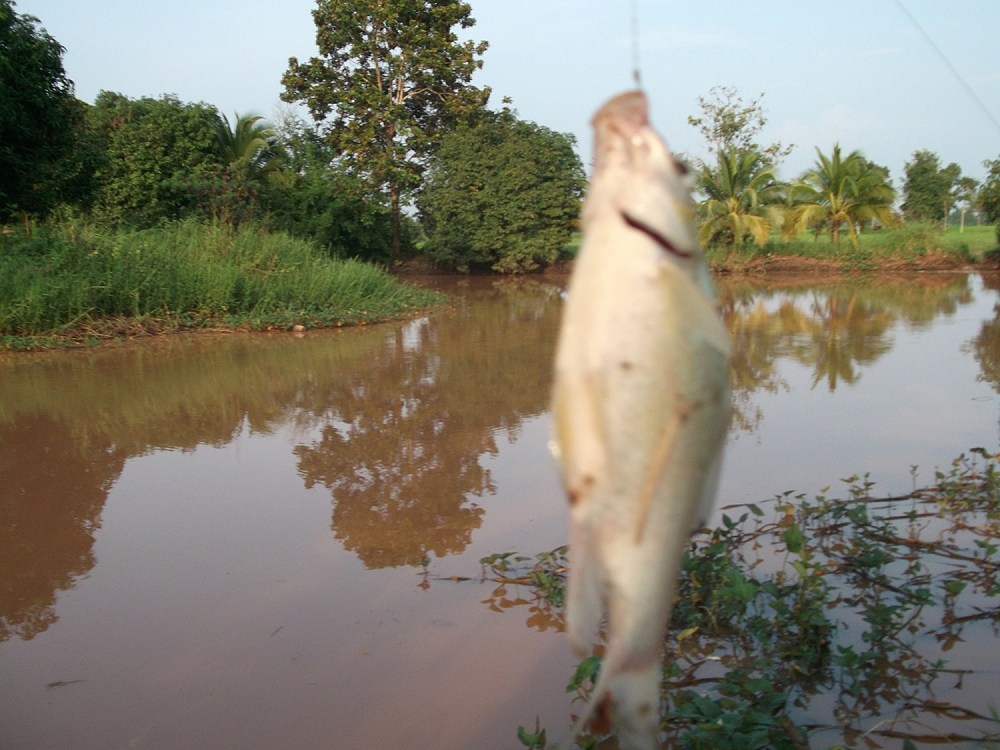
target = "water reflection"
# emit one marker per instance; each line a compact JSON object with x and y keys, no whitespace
{"x":397,"y":422}
{"x":401,"y":440}
{"x":986,"y":345}
{"x":834,"y":328}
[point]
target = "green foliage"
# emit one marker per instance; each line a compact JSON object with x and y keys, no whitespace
{"x":743,"y":200}
{"x":989,"y":194}
{"x":38,"y":115}
{"x":247,"y":142}
{"x":503,"y":194}
{"x":928,"y":189}
{"x":824,"y":615}
{"x":316,"y":198}
{"x":728,"y":125}
{"x":841,"y":191}
{"x":77,"y":279}
{"x":393,"y":77}
{"x":162,"y":158}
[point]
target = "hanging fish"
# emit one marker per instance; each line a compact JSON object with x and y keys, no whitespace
{"x":641,"y":408}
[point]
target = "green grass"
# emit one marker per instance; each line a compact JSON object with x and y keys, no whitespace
{"x":908,"y":242}
{"x":911,"y":242}
{"x":72,"y":281}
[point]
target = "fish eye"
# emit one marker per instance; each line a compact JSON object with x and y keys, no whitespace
{"x":682,"y":167}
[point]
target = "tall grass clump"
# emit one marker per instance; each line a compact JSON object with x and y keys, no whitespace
{"x":72,"y":276}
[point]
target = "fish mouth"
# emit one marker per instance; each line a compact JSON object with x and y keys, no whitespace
{"x":656,"y":237}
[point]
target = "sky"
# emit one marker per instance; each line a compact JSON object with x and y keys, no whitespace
{"x":887,"y":77}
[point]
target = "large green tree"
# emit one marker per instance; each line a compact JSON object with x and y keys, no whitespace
{"x":743,"y":199}
{"x":503,"y":193}
{"x":161,"y":156}
{"x":39,"y":115}
{"x":391,"y":76}
{"x":842,"y":190}
{"x":928,"y":188}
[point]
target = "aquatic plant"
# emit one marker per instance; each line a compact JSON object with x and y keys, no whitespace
{"x":817,"y":621}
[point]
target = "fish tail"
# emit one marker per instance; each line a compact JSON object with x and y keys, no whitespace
{"x":635,"y":704}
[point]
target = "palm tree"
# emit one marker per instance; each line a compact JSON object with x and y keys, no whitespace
{"x":247,"y":143}
{"x":840,"y":190}
{"x":742,"y":199}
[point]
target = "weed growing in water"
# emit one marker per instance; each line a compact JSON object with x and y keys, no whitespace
{"x":816,"y":620}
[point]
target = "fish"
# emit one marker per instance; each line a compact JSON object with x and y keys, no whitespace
{"x":640,"y":407}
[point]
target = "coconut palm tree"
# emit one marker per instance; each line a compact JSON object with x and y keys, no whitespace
{"x":247,"y":142}
{"x":743,"y":199}
{"x":841,"y":190}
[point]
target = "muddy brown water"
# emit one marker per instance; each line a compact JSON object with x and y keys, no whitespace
{"x":259,"y":540}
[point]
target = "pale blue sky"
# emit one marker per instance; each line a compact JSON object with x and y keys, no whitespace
{"x":857,"y":72}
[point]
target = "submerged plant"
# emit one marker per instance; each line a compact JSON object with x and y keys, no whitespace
{"x":815,"y":620}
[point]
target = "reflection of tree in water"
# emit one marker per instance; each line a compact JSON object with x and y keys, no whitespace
{"x":405,"y":431}
{"x":69,"y":422}
{"x":402,"y":416}
{"x":833,"y":328}
{"x":986,"y":345}
{"x":53,"y":493}
{"x":846,"y":331}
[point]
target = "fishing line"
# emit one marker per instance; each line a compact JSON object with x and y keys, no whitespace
{"x":635,"y":45}
{"x":948,"y":63}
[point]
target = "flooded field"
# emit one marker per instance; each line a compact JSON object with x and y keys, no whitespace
{"x":274,"y":541}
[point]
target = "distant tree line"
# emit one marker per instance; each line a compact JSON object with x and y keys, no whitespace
{"x":743,"y":201}
{"x":403,"y":155}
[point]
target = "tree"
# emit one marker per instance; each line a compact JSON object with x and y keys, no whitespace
{"x":38,"y":114}
{"x":247,"y":142}
{"x":161,"y":157}
{"x":841,"y":190}
{"x":728,"y":125}
{"x":928,"y":189}
{"x":249,"y":155}
{"x":989,"y":193}
{"x":967,"y":197}
{"x":393,"y":76}
{"x":316,"y":198}
{"x":503,"y":193}
{"x":742,"y":199}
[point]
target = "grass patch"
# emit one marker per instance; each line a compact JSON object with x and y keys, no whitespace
{"x":71,"y":281}
{"x":819,"y":621}
{"x":912,"y":243}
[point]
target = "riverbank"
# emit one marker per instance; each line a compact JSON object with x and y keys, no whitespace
{"x":73,"y":283}
{"x":907,"y":248}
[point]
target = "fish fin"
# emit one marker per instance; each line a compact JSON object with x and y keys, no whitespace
{"x":579,"y":434}
{"x":634,"y":695}
{"x":658,"y":463}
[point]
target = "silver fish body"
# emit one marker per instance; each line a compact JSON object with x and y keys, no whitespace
{"x":641,"y":407}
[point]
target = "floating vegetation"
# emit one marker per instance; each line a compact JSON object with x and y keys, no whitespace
{"x":827,"y":622}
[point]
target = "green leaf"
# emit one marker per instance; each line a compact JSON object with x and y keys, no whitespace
{"x":793,"y":538}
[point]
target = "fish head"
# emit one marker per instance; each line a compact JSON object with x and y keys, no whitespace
{"x":636,"y":177}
